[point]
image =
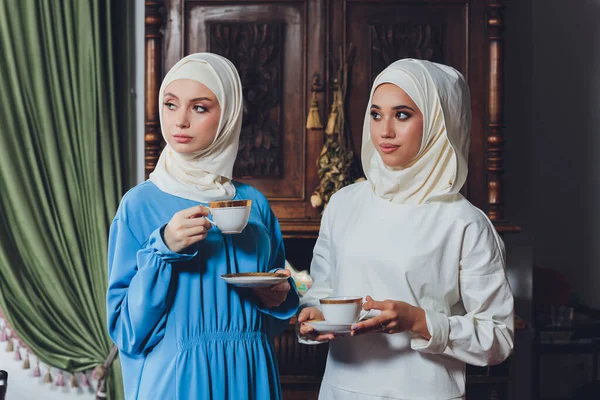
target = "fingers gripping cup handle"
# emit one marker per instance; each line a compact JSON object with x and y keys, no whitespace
{"x":209,"y":219}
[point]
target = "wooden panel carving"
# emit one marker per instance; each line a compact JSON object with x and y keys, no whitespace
{"x":269,"y":44}
{"x":495,"y":134}
{"x":298,"y":359}
{"x":393,"y":42}
{"x":153,"y":76}
{"x":257,"y":52}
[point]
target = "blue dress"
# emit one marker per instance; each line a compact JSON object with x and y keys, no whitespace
{"x":182,"y":332}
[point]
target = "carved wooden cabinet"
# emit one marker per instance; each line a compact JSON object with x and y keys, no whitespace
{"x":278,"y":46}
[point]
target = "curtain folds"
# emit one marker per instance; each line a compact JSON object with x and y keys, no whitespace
{"x":64,"y":114}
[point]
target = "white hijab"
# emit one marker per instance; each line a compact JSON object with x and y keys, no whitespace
{"x":205,"y":175}
{"x":440,"y":167}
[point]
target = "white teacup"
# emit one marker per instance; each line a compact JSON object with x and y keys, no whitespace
{"x":230,"y":216}
{"x":343,"y":310}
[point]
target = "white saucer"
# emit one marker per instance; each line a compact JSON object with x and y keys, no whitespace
{"x":254,"y":279}
{"x":324,"y":327}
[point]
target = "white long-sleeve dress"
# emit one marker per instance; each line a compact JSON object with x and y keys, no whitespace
{"x":444,"y":257}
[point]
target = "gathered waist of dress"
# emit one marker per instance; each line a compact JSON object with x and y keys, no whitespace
{"x":223,"y":336}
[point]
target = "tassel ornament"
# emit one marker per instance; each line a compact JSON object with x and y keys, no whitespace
{"x":100,"y":372}
{"x":48,"y":377}
{"x":36,"y":371}
{"x":18,"y":354}
{"x":84,"y":380}
{"x":10,"y":346}
{"x":332,"y":125}
{"x":26,"y":364}
{"x":60,"y":381}
{"x":74,"y":382}
{"x":313,"y":121}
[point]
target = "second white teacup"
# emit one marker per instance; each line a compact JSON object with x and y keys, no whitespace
{"x":342,"y":310}
{"x":230,"y":216}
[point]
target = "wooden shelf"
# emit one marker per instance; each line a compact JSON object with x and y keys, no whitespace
{"x":300,"y":229}
{"x":506,"y":227}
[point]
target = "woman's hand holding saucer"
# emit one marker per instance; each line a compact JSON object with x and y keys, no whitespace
{"x":395,"y":317}
{"x":311,"y":314}
{"x":274,"y":296}
{"x":186,"y":228}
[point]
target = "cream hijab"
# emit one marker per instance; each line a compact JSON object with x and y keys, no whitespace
{"x":205,"y":175}
{"x":440,"y":167}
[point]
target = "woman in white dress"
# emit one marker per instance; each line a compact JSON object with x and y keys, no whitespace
{"x":432,"y":262}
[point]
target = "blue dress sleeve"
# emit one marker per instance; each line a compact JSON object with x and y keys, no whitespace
{"x":139,"y":287}
{"x":281,"y":314}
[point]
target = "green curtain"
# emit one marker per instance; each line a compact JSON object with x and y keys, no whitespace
{"x":65,"y":106}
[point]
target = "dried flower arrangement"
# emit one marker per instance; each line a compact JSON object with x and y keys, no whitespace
{"x":336,"y":162}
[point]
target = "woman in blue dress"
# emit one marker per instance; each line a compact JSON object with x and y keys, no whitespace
{"x":182,"y":332}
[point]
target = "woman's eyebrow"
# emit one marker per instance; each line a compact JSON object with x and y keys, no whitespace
{"x":200,"y":99}
{"x":191,"y":100}
{"x":403,"y":107}
{"x":400,"y":107}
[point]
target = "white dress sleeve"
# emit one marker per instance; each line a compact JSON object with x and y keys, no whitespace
{"x":321,"y":270}
{"x":321,"y":267}
{"x":484,"y":335}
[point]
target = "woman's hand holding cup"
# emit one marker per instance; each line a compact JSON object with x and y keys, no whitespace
{"x":274,"y":296}
{"x":310,"y":314}
{"x":395,"y":317}
{"x":187,"y":227}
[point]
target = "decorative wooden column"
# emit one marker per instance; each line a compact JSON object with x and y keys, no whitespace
{"x":495,"y":134}
{"x":153,"y":75}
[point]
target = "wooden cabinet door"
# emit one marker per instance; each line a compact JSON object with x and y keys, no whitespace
{"x":276,"y":47}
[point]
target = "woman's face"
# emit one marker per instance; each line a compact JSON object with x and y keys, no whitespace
{"x":396,"y":125}
{"x":190,"y":116}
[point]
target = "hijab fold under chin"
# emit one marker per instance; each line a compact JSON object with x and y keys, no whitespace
{"x":205,"y":175}
{"x":440,"y":167}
